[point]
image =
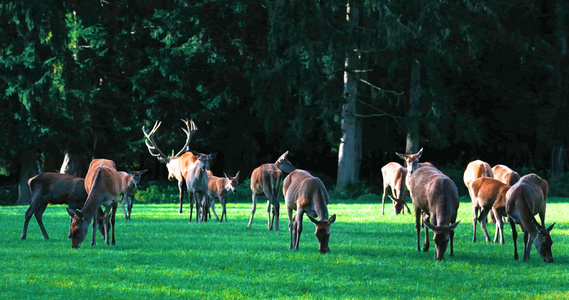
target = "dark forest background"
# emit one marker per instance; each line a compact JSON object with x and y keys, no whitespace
{"x":80,"y":78}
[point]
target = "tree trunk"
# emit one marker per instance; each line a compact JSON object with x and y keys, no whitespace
{"x":412,"y":145}
{"x":349,"y":152}
{"x":557,"y":161}
{"x":28,"y":168}
{"x":73,"y":164}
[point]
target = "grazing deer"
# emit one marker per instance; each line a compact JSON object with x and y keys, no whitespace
{"x":307,"y":194}
{"x":219,"y":187}
{"x":434,"y":197}
{"x":505,"y":174}
{"x":394,"y":176}
{"x":54,"y":188}
{"x":474,"y":170}
{"x":103,"y":185}
{"x":524,"y":200}
{"x":488,"y":194}
{"x":174,"y":163}
{"x":130,"y":183}
{"x":266,"y":180}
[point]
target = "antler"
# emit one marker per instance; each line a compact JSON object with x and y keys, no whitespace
{"x":151,"y":144}
{"x":189,"y":130}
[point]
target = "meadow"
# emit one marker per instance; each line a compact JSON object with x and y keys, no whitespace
{"x":159,"y":255}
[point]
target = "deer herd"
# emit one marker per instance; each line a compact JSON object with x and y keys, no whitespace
{"x":498,"y":192}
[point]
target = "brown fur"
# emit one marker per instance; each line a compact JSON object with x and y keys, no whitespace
{"x":130,"y":183}
{"x":103,"y":185}
{"x":219,"y":187}
{"x":266,"y":180}
{"x":394,"y":176}
{"x":488,"y":194}
{"x":524,"y":200}
{"x":474,"y":170}
{"x":307,"y":194}
{"x":505,"y":174}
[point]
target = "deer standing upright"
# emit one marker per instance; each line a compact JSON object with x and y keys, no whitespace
{"x":394,"y":176}
{"x":130,"y":185}
{"x":103,"y":185}
{"x":524,"y":200}
{"x":54,"y":188}
{"x":174,"y":163}
{"x":307,"y":194}
{"x":266,"y":180}
{"x":219,"y":187}
{"x":435,"y":197}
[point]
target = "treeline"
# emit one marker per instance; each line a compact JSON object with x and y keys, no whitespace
{"x":341,"y":85}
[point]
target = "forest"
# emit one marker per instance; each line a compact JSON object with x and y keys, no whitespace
{"x":342,"y":85}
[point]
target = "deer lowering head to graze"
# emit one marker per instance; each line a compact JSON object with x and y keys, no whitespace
{"x":524,"y":200}
{"x":488,"y":194}
{"x":54,"y":188}
{"x":474,"y":170}
{"x":219,"y":187}
{"x":266,"y":180}
{"x":173,"y":163}
{"x":505,"y":174}
{"x":435,"y":198}
{"x":394,"y":176}
{"x":307,"y":194}
{"x":130,"y":183}
{"x":103,"y":185}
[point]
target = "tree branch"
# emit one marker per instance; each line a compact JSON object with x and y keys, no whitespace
{"x":382,"y":90}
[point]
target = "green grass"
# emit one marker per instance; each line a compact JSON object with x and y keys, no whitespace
{"x":160,"y":255}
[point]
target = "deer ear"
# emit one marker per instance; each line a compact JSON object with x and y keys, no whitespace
{"x":143,"y":171}
{"x":420,"y":153}
{"x":332,"y":219}
{"x":429,"y":225}
{"x":71,"y":212}
{"x":453,"y":226}
{"x":212,"y":156}
{"x":313,"y":220}
{"x":402,"y":156}
{"x":237,"y":175}
{"x":550,"y":227}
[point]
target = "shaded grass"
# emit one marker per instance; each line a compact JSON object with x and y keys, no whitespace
{"x":160,"y":255}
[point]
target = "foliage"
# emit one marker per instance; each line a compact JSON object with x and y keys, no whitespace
{"x":160,"y":255}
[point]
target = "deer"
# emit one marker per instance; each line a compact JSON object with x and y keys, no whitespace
{"x":524,"y":200}
{"x":173,"y":163}
{"x":219,"y":187}
{"x":307,"y":195}
{"x":130,"y":182}
{"x":266,"y":180}
{"x":394,"y":175}
{"x":505,"y":174}
{"x":435,"y":197}
{"x":488,"y":194}
{"x":54,"y":188}
{"x":103,"y":186}
{"x":474,"y":170}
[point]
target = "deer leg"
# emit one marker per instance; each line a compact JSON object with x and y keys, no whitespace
{"x":408,"y":210}
{"x":93,"y":242}
{"x":483,"y":215}
{"x":223,"y":201}
{"x":515,"y":237}
{"x":499,"y":227}
{"x":527,"y":245}
{"x":106,"y":225}
{"x":418,"y":227}
{"x":124,"y":199}
{"x":29,"y":213}
{"x":198,"y":206}
{"x":474,"y":220}
{"x":427,"y":242}
{"x":113,"y":214}
{"x":130,"y":204}
{"x":383,"y":200}
{"x":270,"y":221}
{"x":298,"y":220}
{"x":254,"y":207}
{"x":181,"y":188}
{"x":191,"y":197}
{"x":290,"y":225}
{"x":276,"y":212}
{"x":212,"y":205}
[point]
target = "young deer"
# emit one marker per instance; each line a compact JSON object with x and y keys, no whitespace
{"x":524,"y":200}
{"x":219,"y":187}
{"x":130,"y":183}
{"x":307,"y":194}
{"x":435,"y":197}
{"x":394,"y":176}
{"x":488,"y":194}
{"x":266,"y":180}
{"x":103,"y":185}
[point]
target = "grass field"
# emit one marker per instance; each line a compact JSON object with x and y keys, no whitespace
{"x":160,"y":255}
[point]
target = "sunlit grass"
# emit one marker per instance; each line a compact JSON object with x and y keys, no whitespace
{"x":160,"y":255}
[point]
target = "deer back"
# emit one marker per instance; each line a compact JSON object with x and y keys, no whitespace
{"x":395,"y":175}
{"x":58,"y":188}
{"x":102,"y":161}
{"x":476,"y":169}
{"x":435,"y":194}
{"x":505,"y":174}
{"x":302,"y":190}
{"x":266,"y":177}
{"x":486,"y":192}
{"x":525,"y":199}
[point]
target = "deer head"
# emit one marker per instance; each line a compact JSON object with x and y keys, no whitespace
{"x":203,"y":160}
{"x":543,"y":242}
{"x":398,"y":204}
{"x":323,"y":232}
{"x":411,"y":160}
{"x":171,"y":162}
{"x":284,"y":164}
{"x":232,"y":182}
{"x":136,"y":175}
{"x":78,"y":228}
{"x":441,"y":238}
